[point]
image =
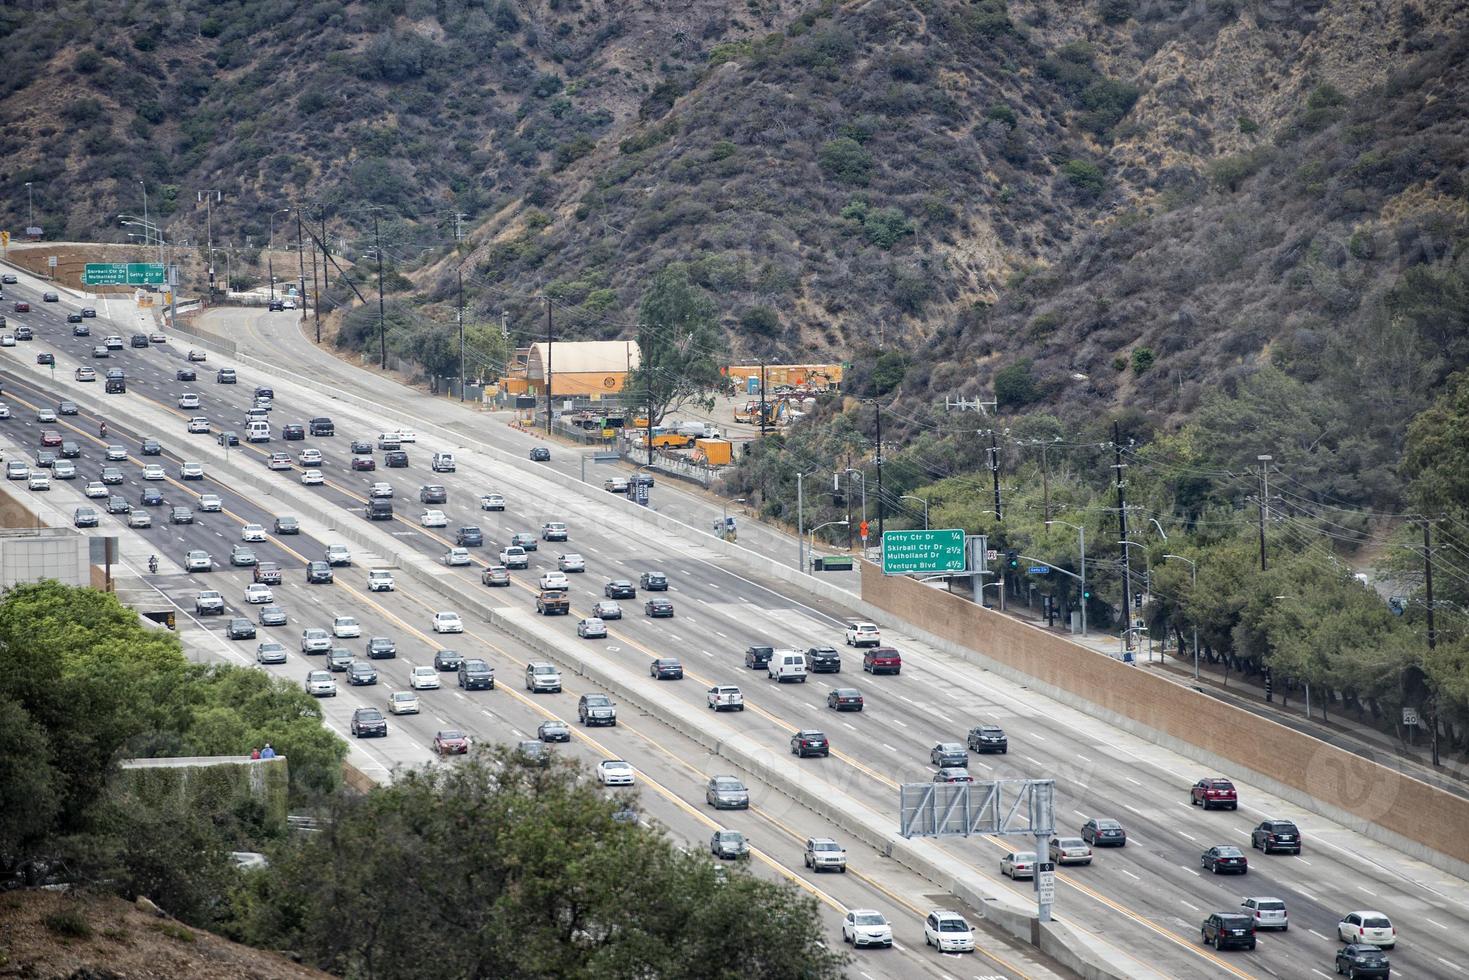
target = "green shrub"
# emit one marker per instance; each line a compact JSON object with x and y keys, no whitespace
{"x":1142,"y":359}
{"x":600,"y":300}
{"x":846,"y":160}
{"x":888,"y":371}
{"x":856,"y":209}
{"x":1119,"y":363}
{"x":885,"y":226}
{"x":1002,"y":114}
{"x":70,"y":923}
{"x":722,"y":150}
{"x":760,"y":320}
{"x":1015,"y":385}
{"x":574,"y":149}
{"x":1115,"y":11}
{"x":88,"y":61}
{"x":1106,"y":102}
{"x":1227,"y":173}
{"x":1248,"y":126}
{"x":1085,"y":176}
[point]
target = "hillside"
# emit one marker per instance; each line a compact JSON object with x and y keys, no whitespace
{"x":842,"y":176}
{"x":47,"y":934}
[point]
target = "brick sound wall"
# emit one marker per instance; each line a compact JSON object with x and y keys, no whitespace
{"x":1361,"y":788}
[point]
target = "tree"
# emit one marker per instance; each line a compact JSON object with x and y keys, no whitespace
{"x":497,"y":868}
{"x":679,"y":346}
{"x":1015,"y":385}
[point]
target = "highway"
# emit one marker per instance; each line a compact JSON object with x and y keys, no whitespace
{"x":1145,"y":901}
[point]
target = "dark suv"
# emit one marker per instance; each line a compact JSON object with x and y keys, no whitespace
{"x":758,"y":658}
{"x":988,"y":738}
{"x":432,"y":494}
{"x":469,"y":536}
{"x":823,"y":660}
{"x":1228,"y":930}
{"x":475,"y":674}
{"x":1276,"y":837}
{"x":322,"y":426}
{"x":367,"y":722}
{"x":1363,"y":961}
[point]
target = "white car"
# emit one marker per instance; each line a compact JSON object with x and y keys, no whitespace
{"x":315,"y":640}
{"x":571,"y":563}
{"x":312,"y":478}
{"x":1369,"y":928}
{"x":456,"y":557}
{"x":198,"y":424}
{"x":614,"y":772}
{"x":448,"y":622}
{"x":591,"y":629}
{"x":95,"y":489}
{"x":1018,"y":864}
{"x":252,"y":532}
{"x":139,"y":518}
{"x":191,"y":471}
{"x":726,"y":696}
{"x":321,"y":684}
{"x":345,"y":626}
{"x":153,"y":471}
{"x":210,"y":503}
{"x":188,"y":400}
{"x":948,"y":932}
{"x":514,"y":556}
{"x":424,"y":678}
{"x":4,"y":411}
{"x":39,"y":481}
{"x":402,"y":703}
{"x":866,"y":927}
{"x":433,"y":518}
{"x":554,"y":580}
{"x":407,"y":435}
{"x":380,"y":491}
{"x":380,"y":580}
{"x":309,"y":457}
{"x":491,"y":501}
{"x":863,"y":635}
{"x":258,"y":594}
{"x":63,"y":469}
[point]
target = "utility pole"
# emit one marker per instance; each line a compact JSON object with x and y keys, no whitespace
{"x":881,"y":510}
{"x":1045,"y":482}
{"x":382,"y":314}
{"x":30,"y":207}
{"x":324,"y":274}
{"x":315,"y":296}
{"x":1264,"y":503}
{"x":762,"y":399}
{"x":301,"y":262}
{"x":207,"y":198}
{"x":800,"y":525}
{"x":550,"y":342}
{"x":995,"y":472}
{"x":1432,"y":638}
{"x":145,"y":215}
{"x":1122,"y":525}
{"x":463,"y":378}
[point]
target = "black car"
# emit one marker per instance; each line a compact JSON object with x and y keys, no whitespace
{"x":447,"y":660}
{"x":808,"y":741}
{"x":396,"y":459}
{"x":81,"y":331}
{"x":287,"y":525}
{"x":1228,"y":930}
{"x":666,"y":669}
{"x":117,"y":505}
{"x":476,"y":674}
{"x":1276,"y":837}
{"x":1362,"y":961}
{"x":138,"y":340}
{"x":360,"y":448}
{"x":318,"y":573}
{"x":185,"y":374}
{"x":70,"y":449}
{"x":240,"y":629}
{"x":823,"y":660}
{"x":115,"y":386}
{"x":46,"y":358}
{"x":228,"y":438}
{"x":293,"y":432}
{"x":469,"y":537}
{"x":361,"y":673}
{"x":988,"y":738}
{"x":433,"y":494}
{"x":758,"y":658}
{"x":845,"y":699}
{"x":949,"y":755}
{"x":381,"y":648}
{"x":540,"y":454}
{"x":151,"y":497}
{"x":658,"y":608}
{"x":73,"y":318}
{"x":85,"y":517}
{"x":88,"y":312}
{"x":368,"y":722}
{"x":275,"y":306}
{"x":653,"y":581}
{"x":151,"y":447}
{"x":322,"y":426}
{"x":1104,"y":832}
{"x":620,"y":588}
{"x":1224,"y":859}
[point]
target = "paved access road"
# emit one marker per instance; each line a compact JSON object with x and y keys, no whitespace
{"x":1146,"y":899}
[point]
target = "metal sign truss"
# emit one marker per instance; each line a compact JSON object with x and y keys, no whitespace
{"x":1006,"y":807}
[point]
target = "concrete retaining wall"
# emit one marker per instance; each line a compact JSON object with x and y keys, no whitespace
{"x":1372,"y":800}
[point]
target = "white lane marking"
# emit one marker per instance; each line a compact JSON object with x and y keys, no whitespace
{"x":1191,"y":871}
{"x":1130,"y":874}
{"x":1318,"y":935}
{"x":899,"y":723}
{"x":890,"y":749}
{"x":1131,"y":780}
{"x":1366,"y":891}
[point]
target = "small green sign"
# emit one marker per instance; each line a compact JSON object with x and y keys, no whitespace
{"x":923,"y":552}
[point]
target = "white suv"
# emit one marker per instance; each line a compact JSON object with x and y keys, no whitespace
{"x":726,"y":696}
{"x":541,"y":676}
{"x":825,"y":854}
{"x":948,"y":932}
{"x":380,"y":580}
{"x":863,"y":635}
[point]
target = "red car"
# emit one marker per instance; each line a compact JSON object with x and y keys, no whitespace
{"x":22,"y":307}
{"x":50,"y":437}
{"x":364,"y":463}
{"x":1214,"y":792}
{"x":451,"y":742}
{"x":953,"y":774}
{"x":882,"y":660}
{"x":845,"y":699}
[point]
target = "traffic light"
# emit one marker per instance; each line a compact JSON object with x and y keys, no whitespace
{"x":1012,"y":558}
{"x":1137,"y":600}
{"x":1086,"y":593}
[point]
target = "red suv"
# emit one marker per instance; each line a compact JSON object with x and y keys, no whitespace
{"x":882,"y":660}
{"x":1212,"y":792}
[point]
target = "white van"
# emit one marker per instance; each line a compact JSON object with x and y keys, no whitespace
{"x":443,"y":462}
{"x":787,"y":665}
{"x":257,"y":431}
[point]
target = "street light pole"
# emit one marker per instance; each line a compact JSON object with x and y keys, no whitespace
{"x":1081,"y":539}
{"x":146,"y":241}
{"x":1194,"y":590}
{"x":909,"y":496}
{"x":818,"y":527}
{"x":269,"y":247}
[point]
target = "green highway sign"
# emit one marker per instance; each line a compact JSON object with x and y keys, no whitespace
{"x":123,"y":274}
{"x":924,"y":552}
